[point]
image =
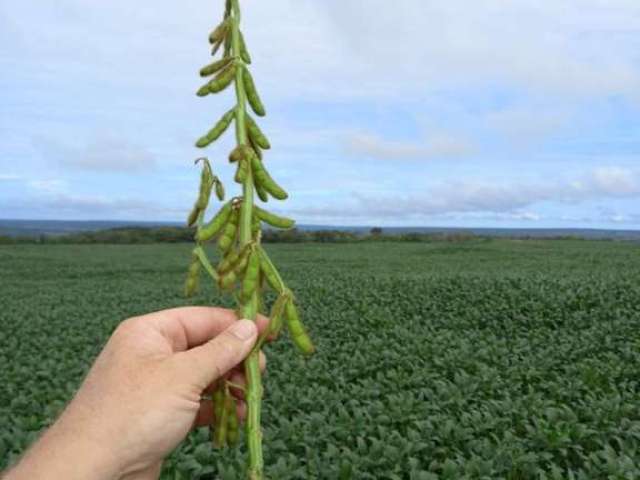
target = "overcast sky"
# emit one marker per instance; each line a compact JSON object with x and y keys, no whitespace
{"x":520,"y":113}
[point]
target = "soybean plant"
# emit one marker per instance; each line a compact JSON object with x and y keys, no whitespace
{"x":245,"y":269}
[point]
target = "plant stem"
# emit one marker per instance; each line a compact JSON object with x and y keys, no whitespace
{"x":249,"y":309}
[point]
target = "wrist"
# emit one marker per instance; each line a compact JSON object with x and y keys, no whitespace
{"x":68,"y":451}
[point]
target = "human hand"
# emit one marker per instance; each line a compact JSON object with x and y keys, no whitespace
{"x":143,"y":395}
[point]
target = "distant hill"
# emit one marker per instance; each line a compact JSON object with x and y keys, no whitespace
{"x":36,"y":228}
{"x":59,"y":228}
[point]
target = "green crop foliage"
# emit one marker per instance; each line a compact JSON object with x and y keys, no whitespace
{"x":237,"y":227}
{"x":471,"y":360}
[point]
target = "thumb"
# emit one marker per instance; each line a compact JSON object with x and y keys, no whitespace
{"x":212,"y":360}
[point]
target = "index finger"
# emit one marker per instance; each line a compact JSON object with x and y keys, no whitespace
{"x":189,"y":327}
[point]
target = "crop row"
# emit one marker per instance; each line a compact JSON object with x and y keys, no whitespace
{"x":505,"y":371}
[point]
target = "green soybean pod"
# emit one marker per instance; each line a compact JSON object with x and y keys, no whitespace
{"x":242,"y":171}
{"x":240,"y":266}
{"x":204,"y":142}
{"x":262,"y":193}
{"x":227,"y":281}
{"x":228,"y":43}
{"x":211,"y":229}
{"x":202,"y":256}
{"x":262,"y":178}
{"x":223,"y":79}
{"x":257,"y":136}
{"x":233,"y":260}
{"x":216,"y":132}
{"x":236,"y":155}
{"x":273,"y":219}
{"x":219,"y":190}
{"x":270,"y":274}
{"x":214,"y":67}
{"x":229,"y":231}
{"x":229,"y":260}
{"x":252,"y":93}
{"x":256,"y":226}
{"x":277,"y":314}
{"x":244,"y":52}
{"x":256,"y":149}
{"x":216,"y":47}
{"x":220,"y":432}
{"x":203,"y":196}
{"x":233,"y":424}
{"x":206,"y":182}
{"x":251,"y":276}
{"x":218,"y":402}
{"x":297,"y":331}
{"x":193,"y":216}
{"x":206,"y":179}
{"x":241,"y":152}
{"x":219,"y":33}
{"x":262,"y":306}
{"x":203,"y":91}
{"x":193,"y":277}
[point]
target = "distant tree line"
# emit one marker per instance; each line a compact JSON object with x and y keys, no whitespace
{"x":141,"y":235}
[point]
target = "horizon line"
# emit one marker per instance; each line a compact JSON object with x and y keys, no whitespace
{"x":352,"y":226}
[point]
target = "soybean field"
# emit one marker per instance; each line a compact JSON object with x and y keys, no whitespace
{"x":479,"y":359}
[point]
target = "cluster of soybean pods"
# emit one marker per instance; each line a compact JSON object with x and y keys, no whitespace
{"x":245,"y":269}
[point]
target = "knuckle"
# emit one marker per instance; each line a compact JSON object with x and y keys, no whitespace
{"x":127,"y":327}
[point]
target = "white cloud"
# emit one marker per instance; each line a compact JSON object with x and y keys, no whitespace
{"x":623,"y":181}
{"x":348,"y":48}
{"x":482,"y":196}
{"x":530,"y":216}
{"x":569,"y":47}
{"x":111,"y":154}
{"x":7,"y":177}
{"x":619,"y":218}
{"x":442,"y":146}
{"x":61,"y":204}
{"x":57,"y":198}
{"x":94,"y":204}
{"x":47,"y":186}
{"x":622,"y":218}
{"x":528,"y":123}
{"x":106,"y":153}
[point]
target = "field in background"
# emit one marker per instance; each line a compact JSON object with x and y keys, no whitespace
{"x":480,"y":359}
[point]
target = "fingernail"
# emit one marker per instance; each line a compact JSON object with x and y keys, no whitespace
{"x":243,"y":329}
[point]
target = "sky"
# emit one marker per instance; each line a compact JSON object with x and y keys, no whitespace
{"x":407,"y":113}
